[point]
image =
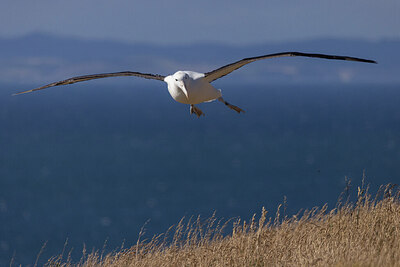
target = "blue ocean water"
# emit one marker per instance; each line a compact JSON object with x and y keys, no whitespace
{"x":94,"y":162}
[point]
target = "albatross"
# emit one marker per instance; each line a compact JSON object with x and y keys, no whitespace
{"x":190,"y":87}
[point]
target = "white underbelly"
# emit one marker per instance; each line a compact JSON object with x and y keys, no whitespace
{"x":198,"y":92}
{"x":178,"y":95}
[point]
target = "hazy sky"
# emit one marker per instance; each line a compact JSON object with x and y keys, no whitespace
{"x":176,"y":21}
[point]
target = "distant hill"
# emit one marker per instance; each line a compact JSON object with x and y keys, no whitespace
{"x":40,"y":58}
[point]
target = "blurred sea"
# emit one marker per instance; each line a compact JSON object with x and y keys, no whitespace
{"x":94,"y":162}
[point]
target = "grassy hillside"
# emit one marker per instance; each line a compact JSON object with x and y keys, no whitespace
{"x":364,"y":233}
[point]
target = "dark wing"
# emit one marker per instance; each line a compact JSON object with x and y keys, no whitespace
{"x":218,"y":73}
{"x":96,"y":76}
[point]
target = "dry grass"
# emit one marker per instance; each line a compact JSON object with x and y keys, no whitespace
{"x":365,"y":233}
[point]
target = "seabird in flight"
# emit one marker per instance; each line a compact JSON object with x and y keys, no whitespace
{"x":190,"y":87}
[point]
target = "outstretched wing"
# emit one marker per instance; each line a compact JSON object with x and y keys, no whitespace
{"x":218,"y":73}
{"x":97,"y":76}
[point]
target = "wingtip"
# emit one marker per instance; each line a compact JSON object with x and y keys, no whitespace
{"x":20,"y":93}
{"x":366,"y":60}
{"x":370,"y":61}
{"x":363,"y":60}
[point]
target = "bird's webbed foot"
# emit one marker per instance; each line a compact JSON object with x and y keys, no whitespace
{"x":235,"y":108}
{"x":196,"y":110}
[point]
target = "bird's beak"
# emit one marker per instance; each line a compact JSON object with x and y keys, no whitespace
{"x":184,"y":90}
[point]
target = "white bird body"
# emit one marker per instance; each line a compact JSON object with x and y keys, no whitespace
{"x":198,"y":90}
{"x":190,"y":87}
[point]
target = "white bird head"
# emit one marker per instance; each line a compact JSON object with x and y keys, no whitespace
{"x":181,"y":80}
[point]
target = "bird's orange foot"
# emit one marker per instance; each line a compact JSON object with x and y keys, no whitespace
{"x":196,"y":110}
{"x":235,"y":108}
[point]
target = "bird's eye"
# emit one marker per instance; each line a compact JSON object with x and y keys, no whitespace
{"x":176,"y":79}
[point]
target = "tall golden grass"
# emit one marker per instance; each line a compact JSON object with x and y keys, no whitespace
{"x":363,"y":233}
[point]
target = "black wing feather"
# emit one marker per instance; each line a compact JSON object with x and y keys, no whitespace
{"x":220,"y":72}
{"x":96,"y":76}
